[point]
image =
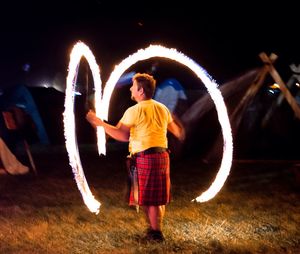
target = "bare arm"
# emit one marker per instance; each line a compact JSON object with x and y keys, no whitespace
{"x":119,"y":132}
{"x":177,"y":129}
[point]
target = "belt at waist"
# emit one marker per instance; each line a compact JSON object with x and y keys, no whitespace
{"x":152,"y":150}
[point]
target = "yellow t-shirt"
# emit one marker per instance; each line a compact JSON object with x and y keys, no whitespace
{"x":148,"y":121}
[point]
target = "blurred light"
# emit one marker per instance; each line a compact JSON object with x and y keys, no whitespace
{"x":26,"y":67}
{"x":46,"y":85}
{"x":271,"y":91}
{"x":19,"y":105}
{"x":274,"y":89}
{"x":275,"y":86}
{"x":297,"y":84}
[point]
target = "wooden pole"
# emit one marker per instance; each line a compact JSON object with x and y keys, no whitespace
{"x":30,"y":156}
{"x":286,"y":92}
{"x":237,"y":114}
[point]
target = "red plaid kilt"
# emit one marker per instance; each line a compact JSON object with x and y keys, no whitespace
{"x":153,"y":174}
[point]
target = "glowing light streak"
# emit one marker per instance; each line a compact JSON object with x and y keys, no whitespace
{"x":212,"y":87}
{"x":102,"y":106}
{"x":80,"y":50}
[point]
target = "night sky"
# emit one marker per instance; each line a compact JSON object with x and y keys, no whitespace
{"x":225,"y":40}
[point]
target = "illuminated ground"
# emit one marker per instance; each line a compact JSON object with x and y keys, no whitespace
{"x":257,"y":211}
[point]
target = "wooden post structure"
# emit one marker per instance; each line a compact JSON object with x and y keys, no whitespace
{"x":237,"y":114}
{"x":294,"y":78}
{"x":285,"y":91}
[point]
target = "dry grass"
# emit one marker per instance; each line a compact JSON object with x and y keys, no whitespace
{"x":257,"y":211}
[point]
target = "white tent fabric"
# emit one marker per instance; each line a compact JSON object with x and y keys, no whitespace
{"x":169,"y":92}
{"x":10,"y":163}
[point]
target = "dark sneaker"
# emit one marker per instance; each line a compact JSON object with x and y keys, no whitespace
{"x":155,"y":235}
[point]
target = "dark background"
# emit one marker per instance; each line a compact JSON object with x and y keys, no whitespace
{"x":224,"y":38}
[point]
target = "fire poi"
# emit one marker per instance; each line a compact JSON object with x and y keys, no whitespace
{"x":102,"y":106}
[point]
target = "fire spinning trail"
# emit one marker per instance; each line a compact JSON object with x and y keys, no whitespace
{"x":102,"y":107}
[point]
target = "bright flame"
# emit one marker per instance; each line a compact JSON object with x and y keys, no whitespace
{"x":102,"y":106}
{"x":78,"y":51}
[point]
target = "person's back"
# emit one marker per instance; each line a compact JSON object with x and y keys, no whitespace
{"x":145,"y":126}
{"x":149,"y":120}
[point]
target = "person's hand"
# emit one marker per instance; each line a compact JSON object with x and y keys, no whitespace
{"x":93,"y":119}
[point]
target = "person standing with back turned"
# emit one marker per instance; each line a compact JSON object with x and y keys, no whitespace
{"x":145,"y":126}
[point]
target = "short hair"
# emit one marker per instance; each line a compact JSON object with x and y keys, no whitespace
{"x":147,"y":82}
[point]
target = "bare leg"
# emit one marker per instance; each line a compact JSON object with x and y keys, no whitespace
{"x":146,"y":209}
{"x":155,"y":215}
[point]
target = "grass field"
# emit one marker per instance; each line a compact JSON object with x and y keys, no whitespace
{"x":257,"y":210}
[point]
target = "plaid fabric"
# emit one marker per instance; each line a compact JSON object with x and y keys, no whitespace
{"x":153,"y":175}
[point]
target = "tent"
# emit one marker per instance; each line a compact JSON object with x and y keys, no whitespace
{"x":261,"y":127}
{"x":18,"y":96}
{"x":9,"y":161}
{"x":169,"y":92}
